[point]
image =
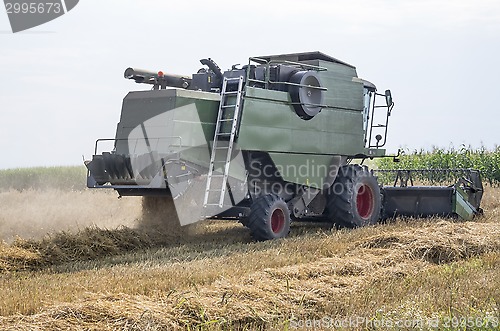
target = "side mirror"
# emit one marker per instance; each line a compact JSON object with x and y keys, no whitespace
{"x":388,"y":98}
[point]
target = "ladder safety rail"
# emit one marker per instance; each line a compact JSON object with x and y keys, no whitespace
{"x":223,"y":148}
{"x":383,"y":138}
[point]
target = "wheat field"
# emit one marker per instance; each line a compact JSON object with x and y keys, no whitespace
{"x":86,"y":260}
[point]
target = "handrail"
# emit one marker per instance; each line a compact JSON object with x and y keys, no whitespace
{"x":268,"y":81}
{"x":301,"y":85}
{"x":137,"y":140}
{"x":303,"y":65}
{"x":258,"y":60}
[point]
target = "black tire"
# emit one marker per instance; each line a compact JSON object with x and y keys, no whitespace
{"x":354,"y":198}
{"x":269,"y":218}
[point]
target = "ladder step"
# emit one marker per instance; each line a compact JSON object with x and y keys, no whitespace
{"x":226,"y":120}
{"x":228,"y":106}
{"x":231,"y":93}
{"x":223,"y":134}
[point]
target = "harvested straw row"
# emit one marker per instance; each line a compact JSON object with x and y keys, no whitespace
{"x":157,"y":226}
{"x":274,"y":295}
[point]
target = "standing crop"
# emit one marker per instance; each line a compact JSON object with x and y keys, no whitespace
{"x":482,"y":159}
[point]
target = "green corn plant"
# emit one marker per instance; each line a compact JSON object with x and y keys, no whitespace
{"x":465,"y":157}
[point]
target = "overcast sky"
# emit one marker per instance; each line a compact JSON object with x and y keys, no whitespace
{"x":62,"y":83}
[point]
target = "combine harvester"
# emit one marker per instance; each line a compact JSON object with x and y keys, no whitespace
{"x":267,"y":143}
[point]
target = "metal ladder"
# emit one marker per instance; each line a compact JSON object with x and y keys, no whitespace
{"x":222,"y":148}
{"x":380,"y":127}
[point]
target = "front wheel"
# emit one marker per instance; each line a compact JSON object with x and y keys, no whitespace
{"x":354,"y":198}
{"x":269,"y":218}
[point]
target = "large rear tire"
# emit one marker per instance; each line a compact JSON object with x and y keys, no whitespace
{"x":354,"y":198}
{"x":269,"y":218}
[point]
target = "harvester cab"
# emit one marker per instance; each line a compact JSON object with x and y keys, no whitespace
{"x":265,"y":143}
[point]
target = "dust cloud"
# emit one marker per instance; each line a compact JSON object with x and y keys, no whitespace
{"x":32,"y":214}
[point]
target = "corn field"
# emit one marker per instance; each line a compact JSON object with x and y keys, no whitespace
{"x":482,"y":159}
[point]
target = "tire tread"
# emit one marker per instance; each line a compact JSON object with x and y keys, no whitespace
{"x":259,"y":218}
{"x":340,"y":207}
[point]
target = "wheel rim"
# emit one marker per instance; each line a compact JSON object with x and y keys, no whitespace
{"x":277,"y":221}
{"x":364,"y":202}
